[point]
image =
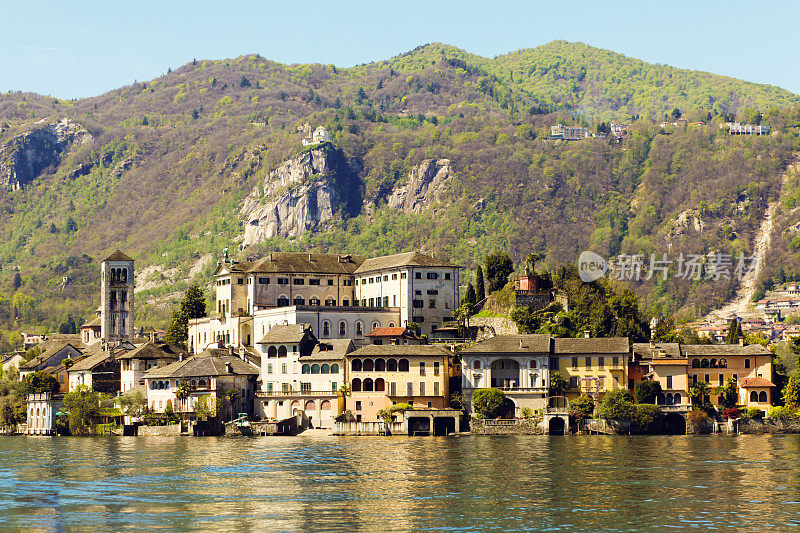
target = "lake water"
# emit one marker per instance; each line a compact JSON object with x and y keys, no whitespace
{"x":742,"y":483}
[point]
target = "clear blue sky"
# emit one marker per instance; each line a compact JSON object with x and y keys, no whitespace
{"x":84,"y":48}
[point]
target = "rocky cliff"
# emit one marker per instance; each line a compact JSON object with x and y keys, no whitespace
{"x":25,"y":156}
{"x":301,"y":194}
{"x":424,"y":187}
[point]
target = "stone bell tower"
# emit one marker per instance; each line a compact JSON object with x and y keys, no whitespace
{"x":116,"y":298}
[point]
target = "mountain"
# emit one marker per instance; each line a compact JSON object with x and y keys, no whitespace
{"x":435,"y":149}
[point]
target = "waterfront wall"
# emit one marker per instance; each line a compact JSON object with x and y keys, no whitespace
{"x":159,"y":431}
{"x":369,"y":428}
{"x":505,"y":427}
{"x":768,"y":425}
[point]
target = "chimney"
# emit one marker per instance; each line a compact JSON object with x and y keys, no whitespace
{"x":741,"y":341}
{"x":652,"y":344}
{"x":586,"y":334}
{"x":270,"y":256}
{"x":230,"y":351}
{"x":180,"y":357}
{"x":229,"y":368}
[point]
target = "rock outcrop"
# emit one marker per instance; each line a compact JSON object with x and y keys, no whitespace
{"x":23,"y":158}
{"x":301,"y":194}
{"x":424,"y":187}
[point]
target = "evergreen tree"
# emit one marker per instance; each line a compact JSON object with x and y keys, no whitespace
{"x":734,"y":332}
{"x":791,"y":393}
{"x":469,"y":296}
{"x":480,"y":292}
{"x":17,"y":282}
{"x":498,"y":267}
{"x":70,"y":226}
{"x":193,"y":305}
{"x":244,"y":82}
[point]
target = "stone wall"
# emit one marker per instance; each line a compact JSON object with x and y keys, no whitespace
{"x":519,"y":427}
{"x":493,"y":325}
{"x":159,"y":431}
{"x":768,"y":425}
{"x":368,"y":428}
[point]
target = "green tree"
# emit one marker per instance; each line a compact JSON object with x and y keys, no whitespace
{"x":68,"y":326}
{"x":488,"y":403}
{"x":232,"y":396}
{"x":17,"y":281}
{"x":791,"y":393}
{"x":698,"y":393}
{"x":498,"y":267}
{"x":133,"y":403}
{"x":646,"y":391}
{"x":646,"y":418}
{"x":192,"y":306}
{"x":617,"y":405}
{"x":38,"y":383}
{"x":558,"y":385}
{"x":480,"y":291}
{"x":470,"y":297}
{"x":581,"y":408}
{"x":734,"y":332}
{"x":8,"y":413}
{"x":53,"y":229}
{"x":244,"y":82}
{"x":182,"y":394}
{"x":83,"y":405}
{"x":728,"y":394}
{"x":70,"y":226}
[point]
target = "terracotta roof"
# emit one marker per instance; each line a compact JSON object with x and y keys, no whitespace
{"x":207,"y":363}
{"x":117,"y":256}
{"x":404,"y":350}
{"x":286,"y":333}
{"x":752,"y":383}
{"x":591,"y":345}
{"x":511,"y":344}
{"x":407,"y":259}
{"x":299,"y":263}
{"x":387,"y":332}
{"x":333,"y":349}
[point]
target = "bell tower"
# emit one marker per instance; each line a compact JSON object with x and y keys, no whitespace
{"x":116,"y":298}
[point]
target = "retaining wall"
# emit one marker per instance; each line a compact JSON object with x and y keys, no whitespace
{"x":768,"y":425}
{"x":518,"y":427}
{"x":159,"y":431}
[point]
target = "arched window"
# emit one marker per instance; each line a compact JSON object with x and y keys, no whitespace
{"x":713,"y":363}
{"x":342,"y":328}
{"x":368,"y":365}
{"x":380,"y":386}
{"x":676,"y":399}
{"x":282,"y":351}
{"x":272,"y":352}
{"x":723,"y":363}
{"x":152,"y":385}
{"x":305,"y":369}
{"x":124,"y":275}
{"x":391,"y":365}
{"x":345,"y":303}
{"x":402,"y":365}
{"x":704,"y":363}
{"x":391,"y":324}
{"x":299,"y":300}
{"x":753,"y":396}
{"x":380,"y":365}
{"x":762,"y":396}
{"x":376,"y":325}
{"x":476,"y":364}
{"x":695,"y":363}
{"x":201,"y":384}
{"x":325,"y":405}
{"x":315,"y":368}
{"x":368,"y":385}
{"x":669,"y":398}
{"x":314,"y":302}
{"x":359,"y":328}
{"x":325,"y":369}
{"x":283,"y":301}
{"x":310,"y":405}
{"x":356,"y":365}
{"x":334,"y":368}
{"x":326,"y":328}
{"x":330,"y":302}
{"x":355,"y":386}
{"x":533,"y":363}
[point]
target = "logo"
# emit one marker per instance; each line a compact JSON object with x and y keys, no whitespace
{"x":591,"y":266}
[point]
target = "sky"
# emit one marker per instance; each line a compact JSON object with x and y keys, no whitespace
{"x":85,"y":48}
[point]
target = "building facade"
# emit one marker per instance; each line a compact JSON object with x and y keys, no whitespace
{"x":117,"y":297}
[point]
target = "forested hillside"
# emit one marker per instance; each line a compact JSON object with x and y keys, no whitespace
{"x":161,"y":168}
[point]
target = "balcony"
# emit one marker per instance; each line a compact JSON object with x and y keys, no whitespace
{"x":297,"y":393}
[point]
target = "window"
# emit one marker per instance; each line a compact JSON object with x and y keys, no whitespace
{"x":402,"y":275}
{"x":394,"y":277}
{"x":417,"y":293}
{"x":284,"y":368}
{"x":417,"y":275}
{"x":753,"y":396}
{"x":393,"y":388}
{"x":358,"y":405}
{"x":298,"y":281}
{"x":334,"y":368}
{"x":574,"y":362}
{"x":372,"y":302}
{"x":313,"y":282}
{"x":283,"y":301}
{"x":330,"y":283}
{"x":588,"y":362}
{"x":326,"y":329}
{"x":299,"y":300}
{"x":355,"y":365}
{"x":418,"y":319}
{"x":436,"y":368}
{"x":376,"y":325}
{"x":409,"y":389}
{"x":346,"y":303}
{"x":669,"y":382}
{"x":239,"y":281}
{"x":330,"y":302}
{"x":333,"y":386}
{"x":418,"y":304}
{"x":422,"y":368}
{"x":402,"y":365}
{"x":436,"y":388}
{"x":305,"y":387}
{"x":431,"y":304}
{"x":432,"y":291}
{"x":359,"y":328}
{"x":386,"y":278}
{"x":707,"y":378}
{"x":433,"y":275}
{"x":314,"y":302}
{"x":694,"y":379}
{"x":371,"y":280}
{"x":356,"y":282}
{"x":386,"y":301}
{"x":422,"y":388}
{"x":476,"y":364}
{"x":747,"y":363}
{"x":263,"y":281}
{"x":615,"y":361}
{"x":269,"y":368}
{"x":283,"y":281}
{"x":762,"y":396}
{"x":342,"y":328}
{"x":721,"y":380}
{"x":315,"y":368}
{"x":601,"y":362}
{"x":325,"y":369}
{"x":573,"y":382}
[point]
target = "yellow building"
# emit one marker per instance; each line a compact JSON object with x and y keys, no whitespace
{"x":592,"y":366}
{"x":382,"y":375}
{"x":715,"y":363}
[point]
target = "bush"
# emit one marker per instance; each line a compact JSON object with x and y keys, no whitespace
{"x":581,"y":408}
{"x":755,"y":412}
{"x":488,"y":403}
{"x":696,"y":417}
{"x":646,"y":391}
{"x":526,"y":413}
{"x":780,"y":412}
{"x":617,"y":405}
{"x":647,"y":418}
{"x":731,"y":412}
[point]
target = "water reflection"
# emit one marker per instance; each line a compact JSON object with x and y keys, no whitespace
{"x":313,"y":483}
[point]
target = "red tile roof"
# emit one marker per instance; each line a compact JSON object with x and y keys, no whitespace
{"x":752,"y":383}
{"x":387,"y":332}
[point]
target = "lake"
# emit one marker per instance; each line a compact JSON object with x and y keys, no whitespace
{"x":577,"y":483}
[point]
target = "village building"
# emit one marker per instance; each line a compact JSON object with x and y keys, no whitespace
{"x":662,"y":362}
{"x":592,"y":366}
{"x":515,"y":364}
{"x":715,"y":364}
{"x":393,"y":335}
{"x":135,"y":363}
{"x":98,"y":368}
{"x":210,"y":375}
{"x":380,"y":376}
